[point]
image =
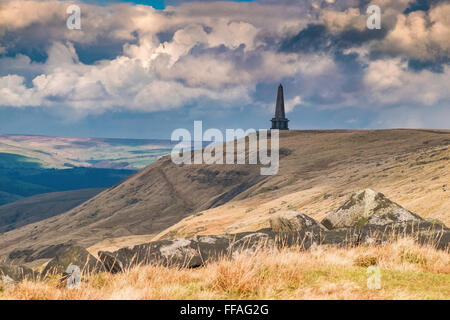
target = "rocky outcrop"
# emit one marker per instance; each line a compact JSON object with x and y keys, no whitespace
{"x":111,"y":262}
{"x":436,"y":222}
{"x":369,"y":208}
{"x":15,"y":273}
{"x":291,"y":221}
{"x":74,"y":255}
{"x":20,"y":256}
{"x":195,"y":252}
{"x":367,"y":218}
{"x":191,"y":253}
{"x":251,"y":243}
{"x":423,"y":232}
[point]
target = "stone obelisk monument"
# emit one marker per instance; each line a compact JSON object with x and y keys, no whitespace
{"x":280,"y":122}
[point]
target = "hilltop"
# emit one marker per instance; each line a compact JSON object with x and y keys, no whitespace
{"x":324,"y":168}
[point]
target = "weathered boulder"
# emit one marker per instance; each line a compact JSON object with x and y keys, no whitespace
{"x":251,"y":243}
{"x":437,"y":222}
{"x":423,"y":232}
{"x":291,"y":221}
{"x":191,"y":253}
{"x":6,"y":282}
{"x":369,"y":208}
{"x":25,"y":255}
{"x":74,"y":255}
{"x":188,"y":253}
{"x":212,"y":247}
{"x":195,"y":252}
{"x":16,"y":273}
{"x":111,"y":262}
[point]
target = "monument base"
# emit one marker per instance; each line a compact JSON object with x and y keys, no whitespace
{"x":280,"y":124}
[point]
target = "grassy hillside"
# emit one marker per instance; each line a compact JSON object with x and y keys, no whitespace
{"x":407,"y":271}
{"x":6,"y":197}
{"x":318,"y":171}
{"x":411,"y":167}
{"x":39,"y":207}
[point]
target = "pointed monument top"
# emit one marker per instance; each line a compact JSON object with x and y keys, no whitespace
{"x":280,"y":122}
{"x":279,"y":110}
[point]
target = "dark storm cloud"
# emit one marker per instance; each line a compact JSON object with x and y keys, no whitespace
{"x":421,"y":5}
{"x":101,"y":49}
{"x":34,"y":42}
{"x":317,"y":38}
{"x":30,"y":28}
{"x":433,"y":66}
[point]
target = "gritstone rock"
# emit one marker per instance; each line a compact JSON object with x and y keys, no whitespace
{"x":369,"y":208}
{"x":16,"y":273}
{"x":291,"y":221}
{"x":74,"y":255}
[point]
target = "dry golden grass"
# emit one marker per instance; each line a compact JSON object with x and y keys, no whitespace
{"x":417,"y":180}
{"x":408,"y":271}
{"x":318,"y":172}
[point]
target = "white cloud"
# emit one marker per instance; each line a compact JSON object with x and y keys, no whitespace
{"x":389,"y":82}
{"x":13,"y":92}
{"x":217,"y":53}
{"x":292,"y":103}
{"x":421,"y":35}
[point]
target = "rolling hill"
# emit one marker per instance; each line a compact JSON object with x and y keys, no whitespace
{"x":318,"y":171}
{"x":6,"y":197}
{"x":39,"y":207}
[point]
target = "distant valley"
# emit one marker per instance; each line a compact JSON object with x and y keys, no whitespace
{"x":32,"y":165}
{"x":42,"y":206}
{"x":69,"y":152}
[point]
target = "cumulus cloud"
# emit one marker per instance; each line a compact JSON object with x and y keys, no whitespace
{"x":421,"y":35}
{"x":391,"y":83}
{"x":15,"y":93}
{"x":217,"y":53}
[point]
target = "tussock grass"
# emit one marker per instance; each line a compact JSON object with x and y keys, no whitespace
{"x":408,"y":271}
